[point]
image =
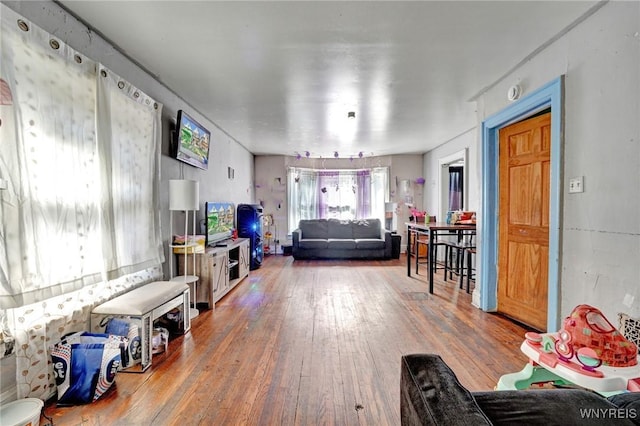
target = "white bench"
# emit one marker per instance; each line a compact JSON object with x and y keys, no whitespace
{"x":142,"y":306}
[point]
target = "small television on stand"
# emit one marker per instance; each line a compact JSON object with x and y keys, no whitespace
{"x":220,"y":222}
{"x":192,"y":141}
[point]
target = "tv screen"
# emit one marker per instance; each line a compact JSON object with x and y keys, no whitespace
{"x":220,"y":221}
{"x":192,"y":144}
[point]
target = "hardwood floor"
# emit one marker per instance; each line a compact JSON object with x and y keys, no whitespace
{"x":309,"y":342}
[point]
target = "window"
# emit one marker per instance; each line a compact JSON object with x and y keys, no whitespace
{"x":338,"y":194}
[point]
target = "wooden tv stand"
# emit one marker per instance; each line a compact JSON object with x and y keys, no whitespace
{"x":220,"y":269}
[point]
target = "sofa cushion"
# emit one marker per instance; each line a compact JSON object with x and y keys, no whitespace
{"x":340,"y":229}
{"x":337,"y":243}
{"x":314,"y":228}
{"x":629,"y":402}
{"x":430,"y":394}
{"x":313,"y":243}
{"x":548,"y":407}
{"x":369,"y":243}
{"x":366,"y":228}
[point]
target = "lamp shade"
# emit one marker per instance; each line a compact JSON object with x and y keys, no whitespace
{"x":183,"y":194}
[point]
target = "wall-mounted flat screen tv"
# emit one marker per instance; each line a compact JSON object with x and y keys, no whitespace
{"x":192,"y":141}
{"x":220,"y":221}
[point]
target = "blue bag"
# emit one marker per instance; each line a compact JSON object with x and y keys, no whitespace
{"x":85,"y":366}
{"x":121,"y":327}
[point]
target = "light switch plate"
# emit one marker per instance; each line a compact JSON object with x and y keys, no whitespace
{"x":576,"y":184}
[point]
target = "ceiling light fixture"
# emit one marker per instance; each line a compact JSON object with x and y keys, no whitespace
{"x":351,"y":114}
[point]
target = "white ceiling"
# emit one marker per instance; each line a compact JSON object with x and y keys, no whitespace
{"x":280,"y":77}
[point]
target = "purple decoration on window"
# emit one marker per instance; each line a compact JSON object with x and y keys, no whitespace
{"x":420,"y":181}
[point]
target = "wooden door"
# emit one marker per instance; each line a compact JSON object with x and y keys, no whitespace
{"x":523,"y":247}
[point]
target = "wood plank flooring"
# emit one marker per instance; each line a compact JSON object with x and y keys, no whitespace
{"x":309,"y":342}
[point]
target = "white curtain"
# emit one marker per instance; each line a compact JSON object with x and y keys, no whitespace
{"x":129,"y":134}
{"x":80,"y":155}
{"x":49,"y":214}
{"x":302,"y":195}
{"x":379,"y":192}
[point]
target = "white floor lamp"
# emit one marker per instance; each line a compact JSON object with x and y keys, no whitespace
{"x":183,"y":196}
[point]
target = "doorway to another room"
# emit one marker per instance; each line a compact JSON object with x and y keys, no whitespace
{"x":453,"y":183}
{"x":547,"y":97}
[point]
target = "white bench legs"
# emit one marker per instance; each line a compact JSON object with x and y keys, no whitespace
{"x":142,"y":306}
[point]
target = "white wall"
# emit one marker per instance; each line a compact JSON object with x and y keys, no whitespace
{"x":407,"y":167}
{"x":271,"y":192}
{"x":600,"y":230}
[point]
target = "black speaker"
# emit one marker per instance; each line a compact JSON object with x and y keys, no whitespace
{"x":250,"y":226}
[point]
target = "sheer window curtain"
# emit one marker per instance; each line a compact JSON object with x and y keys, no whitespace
{"x":360,"y":194}
{"x":302,"y":195}
{"x":338,"y":195}
{"x":379,"y":192}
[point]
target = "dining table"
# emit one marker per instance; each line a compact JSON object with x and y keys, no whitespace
{"x":433,"y":230}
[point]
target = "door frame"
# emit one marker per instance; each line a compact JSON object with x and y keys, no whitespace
{"x":549,"y":95}
{"x":443,"y":181}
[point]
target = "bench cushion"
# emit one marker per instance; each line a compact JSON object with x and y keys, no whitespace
{"x":142,"y":300}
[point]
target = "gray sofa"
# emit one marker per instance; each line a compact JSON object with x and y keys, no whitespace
{"x":430,"y":394}
{"x":341,"y":239}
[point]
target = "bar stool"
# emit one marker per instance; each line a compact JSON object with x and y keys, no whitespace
{"x":424,"y":242}
{"x":421,"y":244}
{"x":451,"y":247}
{"x":468,"y":269}
{"x":456,"y":265}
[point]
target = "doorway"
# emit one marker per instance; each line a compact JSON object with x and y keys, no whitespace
{"x":548,"y":96}
{"x":452,"y":176}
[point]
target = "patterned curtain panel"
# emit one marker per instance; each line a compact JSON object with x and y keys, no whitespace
{"x":80,"y":152}
{"x":49,"y":215}
{"x":129,"y":134}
